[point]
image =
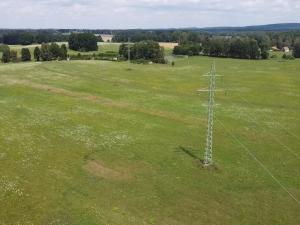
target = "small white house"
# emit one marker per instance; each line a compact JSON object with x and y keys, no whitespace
{"x":286,"y":49}
{"x":107,"y":37}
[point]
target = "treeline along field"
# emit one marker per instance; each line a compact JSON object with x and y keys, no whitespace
{"x":254,"y":45}
{"x":25,"y":37}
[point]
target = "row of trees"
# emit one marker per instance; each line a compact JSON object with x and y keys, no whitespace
{"x":242,"y":48}
{"x":279,"y":39}
{"x":143,"y":51}
{"x":26,"y":37}
{"x":77,"y":41}
{"x":159,"y":36}
{"x":284,"y":39}
{"x":51,"y":52}
{"x":12,"y":55}
{"x":45,"y":53}
{"x":190,"y":49}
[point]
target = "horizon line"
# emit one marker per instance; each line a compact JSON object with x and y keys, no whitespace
{"x":166,"y":28}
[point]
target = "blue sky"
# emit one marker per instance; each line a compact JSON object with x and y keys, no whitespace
{"x":145,"y":13}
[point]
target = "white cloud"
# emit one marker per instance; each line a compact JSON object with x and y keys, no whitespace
{"x":145,"y":13}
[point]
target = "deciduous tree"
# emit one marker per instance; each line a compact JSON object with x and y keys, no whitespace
{"x":25,"y":55}
{"x":14,"y":56}
{"x":6,"y":56}
{"x":296,"y":51}
{"x":83,"y":42}
{"x":46,"y":53}
{"x":37,"y":54}
{"x":64,"y":52}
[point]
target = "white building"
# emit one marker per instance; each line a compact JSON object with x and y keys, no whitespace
{"x":105,"y":37}
{"x":285,"y":49}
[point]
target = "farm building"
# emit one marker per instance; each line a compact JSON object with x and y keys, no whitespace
{"x":274,"y":48}
{"x":106,"y":37}
{"x":285,"y":49}
{"x":168,"y":45}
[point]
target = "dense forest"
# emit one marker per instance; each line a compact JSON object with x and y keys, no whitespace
{"x":27,"y":37}
{"x":279,"y":39}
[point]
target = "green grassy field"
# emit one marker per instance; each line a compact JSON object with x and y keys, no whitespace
{"x":92,"y":143}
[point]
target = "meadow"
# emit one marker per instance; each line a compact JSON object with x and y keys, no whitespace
{"x":99,"y":142}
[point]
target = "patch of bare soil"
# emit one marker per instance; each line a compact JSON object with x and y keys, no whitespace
{"x":98,"y":169}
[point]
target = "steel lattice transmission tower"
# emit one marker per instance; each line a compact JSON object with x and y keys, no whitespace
{"x":208,"y":156}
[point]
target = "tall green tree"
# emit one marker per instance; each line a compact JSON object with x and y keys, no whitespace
{"x":263,"y":41}
{"x":83,"y":42}
{"x":37,"y":54}
{"x":46,"y":53}
{"x":4,"y":48}
{"x":64,"y":52}
{"x":296,"y":51}
{"x":6,"y":56}
{"x":25,"y":55}
{"x":123,"y":50}
{"x":253,"y":48}
{"x":265,"y":54}
{"x":13,"y":56}
{"x":55,"y":51}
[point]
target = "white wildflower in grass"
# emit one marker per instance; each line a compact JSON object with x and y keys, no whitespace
{"x":80,"y":134}
{"x":9,"y":186}
{"x":85,"y":135}
{"x":110,"y":140}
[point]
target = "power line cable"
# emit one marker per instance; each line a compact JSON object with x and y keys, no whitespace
{"x":260,"y":163}
{"x":286,"y":130}
{"x":254,"y":120}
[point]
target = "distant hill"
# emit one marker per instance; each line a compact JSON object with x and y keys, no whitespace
{"x":280,"y":27}
{"x":270,"y":27}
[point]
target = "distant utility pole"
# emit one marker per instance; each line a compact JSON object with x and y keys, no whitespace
{"x":129,"y":51}
{"x":208,"y":156}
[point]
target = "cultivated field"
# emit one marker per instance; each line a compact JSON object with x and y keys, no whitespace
{"x":93,"y":142}
{"x":168,"y":45}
